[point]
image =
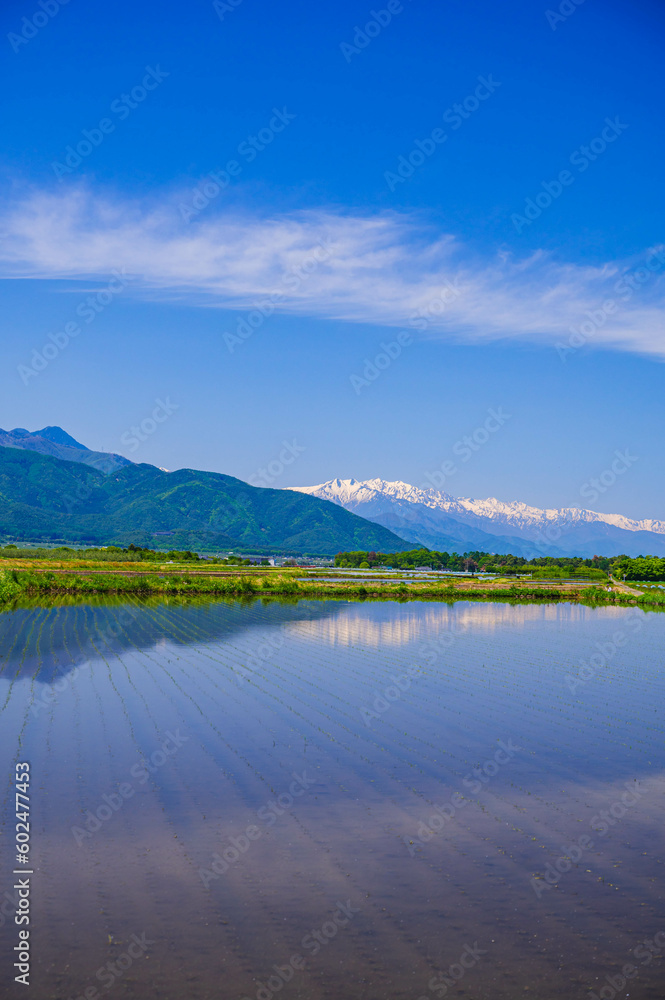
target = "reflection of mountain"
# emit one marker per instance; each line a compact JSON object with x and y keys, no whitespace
{"x":389,"y":625}
{"x":46,"y":643}
{"x":397,"y":624}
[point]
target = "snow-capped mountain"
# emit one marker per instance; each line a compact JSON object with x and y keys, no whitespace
{"x":443,"y":522}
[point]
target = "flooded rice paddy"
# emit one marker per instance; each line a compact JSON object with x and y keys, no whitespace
{"x":336,"y":800}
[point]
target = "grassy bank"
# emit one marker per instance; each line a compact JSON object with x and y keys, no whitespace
{"x":15,"y":584}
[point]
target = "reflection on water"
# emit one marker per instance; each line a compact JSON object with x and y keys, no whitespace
{"x":412,"y":622}
{"x":327,"y":800}
{"x":80,"y":632}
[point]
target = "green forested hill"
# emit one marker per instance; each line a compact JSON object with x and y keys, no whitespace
{"x":46,"y":499}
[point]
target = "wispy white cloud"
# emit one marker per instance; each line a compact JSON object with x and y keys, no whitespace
{"x":379,"y":268}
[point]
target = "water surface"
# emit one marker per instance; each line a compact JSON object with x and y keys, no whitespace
{"x":240,"y":785}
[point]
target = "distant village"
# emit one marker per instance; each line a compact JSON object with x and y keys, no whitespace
{"x":311,"y":562}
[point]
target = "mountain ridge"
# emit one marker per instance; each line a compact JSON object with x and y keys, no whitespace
{"x":45,"y":498}
{"x":54,"y":441}
{"x":432,"y":517}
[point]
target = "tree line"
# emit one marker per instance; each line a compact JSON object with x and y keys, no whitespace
{"x":640,"y":568}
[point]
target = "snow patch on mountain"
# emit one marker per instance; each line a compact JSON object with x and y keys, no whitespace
{"x":352,"y":492}
{"x":432,"y":518}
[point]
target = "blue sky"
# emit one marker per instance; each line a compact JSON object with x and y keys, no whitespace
{"x":518,"y":254}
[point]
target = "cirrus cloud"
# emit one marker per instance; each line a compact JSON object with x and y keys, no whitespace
{"x":380,"y":268}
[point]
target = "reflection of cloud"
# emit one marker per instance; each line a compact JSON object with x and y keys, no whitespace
{"x":381,"y":269}
{"x":396,"y":625}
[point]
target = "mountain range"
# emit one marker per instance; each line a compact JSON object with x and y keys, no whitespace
{"x":46,"y":498}
{"x":54,"y":441}
{"x":53,"y":488}
{"x":443,"y":522}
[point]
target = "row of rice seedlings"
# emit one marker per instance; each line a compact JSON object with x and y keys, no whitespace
{"x":12,"y":724}
{"x":46,"y":767}
{"x":126,"y":833}
{"x":273,"y":663}
{"x":62,"y":726}
{"x":190,"y":790}
{"x":163,"y":670}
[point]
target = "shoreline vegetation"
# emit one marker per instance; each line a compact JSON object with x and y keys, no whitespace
{"x":65,"y":573}
{"x":52,"y":580}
